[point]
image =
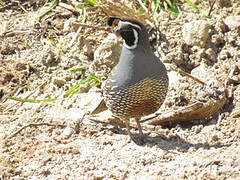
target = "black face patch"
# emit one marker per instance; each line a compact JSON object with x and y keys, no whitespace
{"x":128,"y":30}
{"x":128,"y":36}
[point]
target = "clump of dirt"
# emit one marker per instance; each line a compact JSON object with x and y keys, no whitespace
{"x":36,"y":59}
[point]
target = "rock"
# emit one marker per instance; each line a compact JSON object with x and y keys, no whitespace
{"x":73,"y":117}
{"x":211,"y":55}
{"x":196,"y":1}
{"x":224,"y":54}
{"x":232,"y":22}
{"x":93,"y":100}
{"x":218,"y":39}
{"x":58,"y":82}
{"x":223,"y":3}
{"x":84,"y":88}
{"x":200,"y":71}
{"x":234,"y":76}
{"x":221,"y":26}
{"x":106,"y":56}
{"x":196,"y":33}
{"x":173,"y":78}
{"x":68,"y":131}
{"x":48,"y":57}
{"x":21,"y":66}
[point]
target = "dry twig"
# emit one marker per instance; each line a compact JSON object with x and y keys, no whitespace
{"x":198,"y":110}
{"x":119,"y":9}
{"x":211,"y":6}
{"x":69,"y":7}
{"x":113,"y":121}
{"x":93,"y":27}
{"x":191,"y":77}
{"x":33,"y":125}
{"x":79,"y":29}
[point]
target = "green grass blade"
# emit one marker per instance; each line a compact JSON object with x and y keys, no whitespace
{"x":78,"y":69}
{"x":81,"y":6}
{"x":156,"y":8}
{"x":88,"y":79}
{"x":51,"y":41}
{"x":198,"y":9}
{"x":26,"y":44}
{"x":92,"y":2}
{"x":54,"y":2}
{"x":70,"y":91}
{"x":193,"y":5}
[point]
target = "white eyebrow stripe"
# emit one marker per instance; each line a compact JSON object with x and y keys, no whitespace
{"x":134,"y":25}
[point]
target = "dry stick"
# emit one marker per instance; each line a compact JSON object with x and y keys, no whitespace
{"x":113,"y":121}
{"x":71,"y":3}
{"x":198,"y":110}
{"x":93,"y":8}
{"x":143,"y":6}
{"x":111,"y":10}
{"x":120,"y":10}
{"x":2,"y":8}
{"x":149,"y":8}
{"x":149,"y":118}
{"x":211,"y":6}
{"x":79,"y":29}
{"x":93,"y":27}
{"x":35,"y":125}
{"x":22,"y":7}
{"x":171,"y":115}
{"x":15,"y":31}
{"x":124,"y":6}
{"x":68,"y":7}
{"x":54,"y":2}
{"x":191,"y":77}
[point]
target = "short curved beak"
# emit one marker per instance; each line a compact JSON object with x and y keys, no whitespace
{"x":119,"y":27}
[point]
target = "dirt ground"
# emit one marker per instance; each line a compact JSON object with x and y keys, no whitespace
{"x":36,"y":59}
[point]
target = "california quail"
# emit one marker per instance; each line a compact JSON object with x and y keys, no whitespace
{"x":138,"y":84}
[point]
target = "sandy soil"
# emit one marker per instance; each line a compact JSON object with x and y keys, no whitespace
{"x":33,"y":68}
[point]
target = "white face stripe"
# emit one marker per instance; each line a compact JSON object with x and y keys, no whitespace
{"x":129,"y":23}
{"x":135,"y":42}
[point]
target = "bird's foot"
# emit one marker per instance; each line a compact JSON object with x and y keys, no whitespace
{"x":139,"y":140}
{"x":143,"y":139}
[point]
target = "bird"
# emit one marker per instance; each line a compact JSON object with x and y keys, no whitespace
{"x":137,"y":86}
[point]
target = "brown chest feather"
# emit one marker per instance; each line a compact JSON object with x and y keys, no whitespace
{"x":138,"y":100}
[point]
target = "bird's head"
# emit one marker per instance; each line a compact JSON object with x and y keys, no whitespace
{"x":133,"y":32}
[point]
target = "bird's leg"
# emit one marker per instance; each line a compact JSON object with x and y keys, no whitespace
{"x":129,"y":132}
{"x":142,"y":138}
